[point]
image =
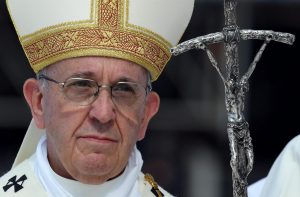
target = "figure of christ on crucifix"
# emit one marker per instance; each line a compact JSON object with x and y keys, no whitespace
{"x":236,"y":86}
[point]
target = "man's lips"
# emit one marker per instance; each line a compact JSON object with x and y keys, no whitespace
{"x":99,"y":139}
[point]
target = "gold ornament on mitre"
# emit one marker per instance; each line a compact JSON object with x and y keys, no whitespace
{"x":142,"y":31}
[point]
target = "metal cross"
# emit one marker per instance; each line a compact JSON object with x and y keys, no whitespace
{"x":236,"y":86}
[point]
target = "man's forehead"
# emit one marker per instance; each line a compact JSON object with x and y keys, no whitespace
{"x":92,"y":66}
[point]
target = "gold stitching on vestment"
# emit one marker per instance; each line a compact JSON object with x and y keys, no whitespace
{"x":154,"y":185}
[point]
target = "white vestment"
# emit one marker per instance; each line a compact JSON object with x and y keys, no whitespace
{"x":42,"y":181}
{"x":283,"y":179}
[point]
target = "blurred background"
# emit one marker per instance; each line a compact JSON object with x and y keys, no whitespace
{"x":186,"y":147}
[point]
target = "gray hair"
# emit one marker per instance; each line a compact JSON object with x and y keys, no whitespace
{"x":149,"y":81}
{"x":43,"y":83}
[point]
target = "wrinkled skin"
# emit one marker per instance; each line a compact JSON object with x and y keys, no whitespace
{"x":91,"y":143}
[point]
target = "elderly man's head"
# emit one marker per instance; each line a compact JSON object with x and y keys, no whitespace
{"x":91,"y":132}
{"x":93,"y":61}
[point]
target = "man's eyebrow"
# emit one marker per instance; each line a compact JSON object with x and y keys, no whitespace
{"x":91,"y":75}
{"x":125,"y":79}
{"x":86,"y":74}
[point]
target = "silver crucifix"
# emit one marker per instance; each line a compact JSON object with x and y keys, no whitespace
{"x":236,"y":86}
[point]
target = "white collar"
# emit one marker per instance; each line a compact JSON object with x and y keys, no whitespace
{"x":125,"y":185}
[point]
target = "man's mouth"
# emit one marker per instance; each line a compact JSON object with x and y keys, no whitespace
{"x":99,"y":139}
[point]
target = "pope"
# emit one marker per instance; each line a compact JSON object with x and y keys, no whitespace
{"x":91,"y":100}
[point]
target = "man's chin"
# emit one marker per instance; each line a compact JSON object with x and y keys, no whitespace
{"x":95,"y":168}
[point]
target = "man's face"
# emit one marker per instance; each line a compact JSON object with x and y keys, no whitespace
{"x":93,"y":143}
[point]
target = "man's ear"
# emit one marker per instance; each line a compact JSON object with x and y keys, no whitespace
{"x":33,"y":95}
{"x":152,"y":106}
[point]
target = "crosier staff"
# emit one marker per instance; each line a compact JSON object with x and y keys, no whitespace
{"x":236,"y":86}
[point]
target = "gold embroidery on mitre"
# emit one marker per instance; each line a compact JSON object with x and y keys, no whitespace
{"x":111,"y":36}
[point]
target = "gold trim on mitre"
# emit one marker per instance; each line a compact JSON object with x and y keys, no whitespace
{"x":107,"y":33}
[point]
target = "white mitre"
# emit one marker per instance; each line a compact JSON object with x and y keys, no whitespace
{"x":142,"y":31}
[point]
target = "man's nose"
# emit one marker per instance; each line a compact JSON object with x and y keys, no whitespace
{"x":103,"y":108}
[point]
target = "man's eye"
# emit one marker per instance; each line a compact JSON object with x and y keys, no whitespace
{"x":79,"y":90}
{"x":80,"y":84}
{"x":123,"y":88}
